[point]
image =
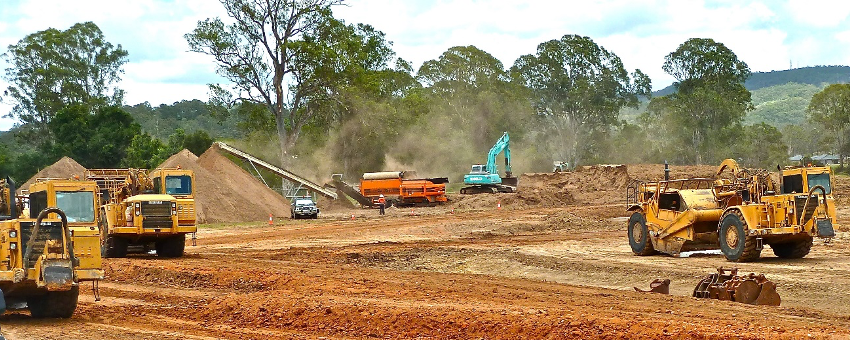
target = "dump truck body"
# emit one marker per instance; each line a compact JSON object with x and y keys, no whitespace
{"x":738,"y":215}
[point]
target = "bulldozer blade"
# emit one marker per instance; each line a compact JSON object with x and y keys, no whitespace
{"x":747,"y":291}
{"x":661,"y":286}
{"x":768,"y":295}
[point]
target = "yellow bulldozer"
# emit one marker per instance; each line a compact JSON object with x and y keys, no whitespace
{"x":142,"y":212}
{"x":48,"y":249}
{"x":737,"y":211}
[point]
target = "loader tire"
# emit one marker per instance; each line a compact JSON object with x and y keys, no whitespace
{"x":639,"y":236}
{"x":172,"y":246}
{"x":793,"y":250}
{"x":734,"y":242}
{"x":115,"y":247}
{"x":57,"y":304}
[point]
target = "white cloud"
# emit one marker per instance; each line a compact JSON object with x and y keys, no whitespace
{"x":819,"y":13}
{"x":765,"y":34}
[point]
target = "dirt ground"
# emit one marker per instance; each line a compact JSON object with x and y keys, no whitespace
{"x":493,"y":267}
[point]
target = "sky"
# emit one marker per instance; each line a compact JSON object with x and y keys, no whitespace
{"x":768,"y":35}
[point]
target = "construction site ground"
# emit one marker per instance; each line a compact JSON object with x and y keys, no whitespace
{"x":483,"y":267}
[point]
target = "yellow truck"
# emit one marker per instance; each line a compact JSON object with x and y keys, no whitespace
{"x":137,"y":215}
{"x":50,"y":249}
{"x":738,"y":214}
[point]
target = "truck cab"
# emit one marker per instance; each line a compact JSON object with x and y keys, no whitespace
{"x":180,"y":184}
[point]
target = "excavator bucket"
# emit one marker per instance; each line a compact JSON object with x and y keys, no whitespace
{"x":728,"y":285}
{"x":657,"y":286}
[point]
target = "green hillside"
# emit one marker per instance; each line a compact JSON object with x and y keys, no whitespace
{"x":814,"y":75}
{"x":781,"y":105}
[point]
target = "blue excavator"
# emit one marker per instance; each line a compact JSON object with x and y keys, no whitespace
{"x":484,"y":178}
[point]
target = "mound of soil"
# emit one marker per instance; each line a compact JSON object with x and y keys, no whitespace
{"x":64,"y":168}
{"x":341,"y":203}
{"x":655,"y":172}
{"x":224,"y":192}
{"x":247,"y":198}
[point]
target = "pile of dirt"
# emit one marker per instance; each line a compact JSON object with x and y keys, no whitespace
{"x":841,"y":190}
{"x":224,"y":192}
{"x":64,"y":168}
{"x":341,"y":203}
{"x":655,"y":172}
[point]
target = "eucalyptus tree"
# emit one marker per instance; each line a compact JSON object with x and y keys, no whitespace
{"x":831,"y":109}
{"x":52,"y":69}
{"x":709,"y":104}
{"x":580,"y":88}
{"x":293,"y":58}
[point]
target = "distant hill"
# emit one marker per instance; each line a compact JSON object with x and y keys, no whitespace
{"x":189,"y":115}
{"x":814,"y":75}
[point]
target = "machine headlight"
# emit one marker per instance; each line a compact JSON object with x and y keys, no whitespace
{"x":13,"y":245}
{"x":13,"y":234}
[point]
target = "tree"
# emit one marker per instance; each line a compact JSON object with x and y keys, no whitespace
{"x":145,"y":152}
{"x":98,"y":140}
{"x":760,"y":146}
{"x":578,"y":86}
{"x":831,"y":108}
{"x":462,"y":68}
{"x":710,"y":99}
{"x":52,"y":69}
{"x":256,"y":53}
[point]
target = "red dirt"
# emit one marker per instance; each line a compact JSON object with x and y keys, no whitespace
{"x":466,"y":270}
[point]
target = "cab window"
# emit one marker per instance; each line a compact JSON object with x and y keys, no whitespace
{"x":157,"y":185}
{"x":178,"y":185}
{"x":819,"y":179}
{"x":792,"y":184}
{"x":77,"y":205}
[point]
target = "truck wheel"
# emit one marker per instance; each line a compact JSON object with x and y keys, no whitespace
{"x":115,"y":247}
{"x":59,"y":304}
{"x":734,"y":242}
{"x":315,"y":216}
{"x":37,"y":306}
{"x":639,"y":236}
{"x":793,"y":250}
{"x":63,"y":304}
{"x":172,"y":246}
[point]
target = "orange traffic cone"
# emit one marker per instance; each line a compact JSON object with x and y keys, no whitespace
{"x":271,"y":220}
{"x":453,"y":210}
{"x":411,"y":212}
{"x":352,"y":217}
{"x":499,"y":205}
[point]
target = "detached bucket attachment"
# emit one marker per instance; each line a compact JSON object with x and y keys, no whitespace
{"x":657,"y":286}
{"x":728,"y":285}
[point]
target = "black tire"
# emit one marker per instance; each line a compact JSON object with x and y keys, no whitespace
{"x":639,"y":236}
{"x":734,"y":242}
{"x":115,"y":247}
{"x":171,"y":247}
{"x":63,"y":304}
{"x":315,"y":216}
{"x":59,"y":304}
{"x":37,"y":305}
{"x":793,"y":250}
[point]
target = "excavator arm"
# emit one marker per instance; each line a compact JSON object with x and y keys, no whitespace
{"x":503,"y":144}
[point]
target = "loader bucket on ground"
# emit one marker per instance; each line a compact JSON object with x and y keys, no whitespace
{"x":728,"y":285}
{"x":657,"y":286}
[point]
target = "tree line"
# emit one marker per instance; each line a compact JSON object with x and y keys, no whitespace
{"x":332,"y":97}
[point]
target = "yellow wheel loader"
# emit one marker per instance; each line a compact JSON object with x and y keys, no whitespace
{"x":737,"y":213}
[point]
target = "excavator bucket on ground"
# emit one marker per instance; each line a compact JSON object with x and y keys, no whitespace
{"x":726,"y":284}
{"x":657,"y":286}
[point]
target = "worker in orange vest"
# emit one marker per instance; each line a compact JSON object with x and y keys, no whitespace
{"x":382,"y":203}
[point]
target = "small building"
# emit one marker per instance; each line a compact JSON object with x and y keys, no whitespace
{"x":824,"y":159}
